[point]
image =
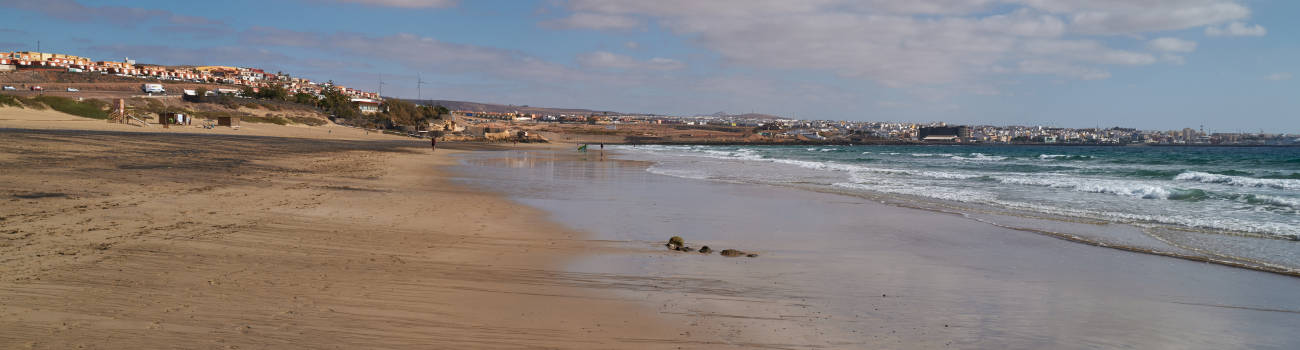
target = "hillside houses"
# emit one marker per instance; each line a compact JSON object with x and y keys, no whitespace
{"x":242,"y":76}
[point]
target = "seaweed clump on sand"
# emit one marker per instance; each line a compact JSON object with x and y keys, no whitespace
{"x":678,"y":244}
{"x":734,"y":253}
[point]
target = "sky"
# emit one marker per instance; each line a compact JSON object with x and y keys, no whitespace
{"x":1226,"y":65}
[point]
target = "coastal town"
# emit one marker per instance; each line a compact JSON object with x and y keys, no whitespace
{"x":505,"y":122}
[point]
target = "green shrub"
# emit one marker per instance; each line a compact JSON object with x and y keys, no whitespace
{"x":308,"y":121}
{"x":87,"y":108}
{"x":277,"y":120}
{"x":6,"y":100}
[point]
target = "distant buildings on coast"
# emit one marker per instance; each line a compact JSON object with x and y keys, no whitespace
{"x":241,"y":76}
{"x":786,"y":129}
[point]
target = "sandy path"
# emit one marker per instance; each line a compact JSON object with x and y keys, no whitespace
{"x":120,"y":240}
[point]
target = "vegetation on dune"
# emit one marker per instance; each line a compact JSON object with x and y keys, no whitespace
{"x":267,"y":119}
{"x":6,"y":100}
{"x":338,"y":104}
{"x":400,"y":112}
{"x":87,"y":108}
{"x":307,"y":120}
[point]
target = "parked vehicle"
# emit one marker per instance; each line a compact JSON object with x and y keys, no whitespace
{"x":10,"y":88}
{"x":153,"y":88}
{"x":73,"y":90}
{"x":38,"y":88}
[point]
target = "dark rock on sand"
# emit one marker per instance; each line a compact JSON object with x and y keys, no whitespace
{"x":731,"y":253}
{"x":677,"y":241}
{"x":705,"y":249}
{"x":752,"y":255}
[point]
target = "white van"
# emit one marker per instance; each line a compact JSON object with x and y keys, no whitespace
{"x":153,"y":88}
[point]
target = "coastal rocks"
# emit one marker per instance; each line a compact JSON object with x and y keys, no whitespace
{"x":731,"y":253}
{"x":676,"y":243}
{"x":734,"y":253}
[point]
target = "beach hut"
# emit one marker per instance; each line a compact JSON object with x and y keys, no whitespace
{"x":228,"y":121}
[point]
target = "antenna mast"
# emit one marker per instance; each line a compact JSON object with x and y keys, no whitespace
{"x":419,"y":82}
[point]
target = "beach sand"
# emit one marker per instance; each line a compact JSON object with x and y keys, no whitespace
{"x":134,"y":240}
{"x":115,"y":236}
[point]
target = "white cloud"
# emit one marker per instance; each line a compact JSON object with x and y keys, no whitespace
{"x":1062,"y":69}
{"x":419,"y":53}
{"x":1110,"y":17}
{"x":405,"y":3}
{"x":603,"y":59}
{"x":1171,"y":45}
{"x":1236,"y":29}
{"x":917,"y":42}
{"x":599,"y":21}
{"x":1089,"y":51}
{"x":1279,"y":76}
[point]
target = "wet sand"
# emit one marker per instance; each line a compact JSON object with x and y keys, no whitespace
{"x":860,"y":274}
{"x":128,"y":240}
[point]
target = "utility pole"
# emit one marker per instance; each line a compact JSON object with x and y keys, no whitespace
{"x":419,"y":82}
{"x":381,"y":86}
{"x":38,"y":46}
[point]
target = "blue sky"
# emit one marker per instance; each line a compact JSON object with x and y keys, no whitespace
{"x":1229,"y":65}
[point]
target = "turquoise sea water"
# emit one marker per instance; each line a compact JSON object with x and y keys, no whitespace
{"x":1232,"y":191}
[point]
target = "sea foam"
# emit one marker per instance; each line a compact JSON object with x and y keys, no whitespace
{"x":1196,"y":176}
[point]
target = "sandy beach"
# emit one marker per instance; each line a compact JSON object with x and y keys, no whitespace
{"x":121,"y":239}
{"x":273,"y":237}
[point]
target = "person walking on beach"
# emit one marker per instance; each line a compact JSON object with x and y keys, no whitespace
{"x":433,"y":143}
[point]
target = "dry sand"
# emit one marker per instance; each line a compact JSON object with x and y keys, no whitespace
{"x":218,"y":240}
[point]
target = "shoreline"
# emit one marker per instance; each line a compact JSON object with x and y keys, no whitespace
{"x":857,"y":271}
{"x":1139,"y":235}
{"x":1206,"y":257}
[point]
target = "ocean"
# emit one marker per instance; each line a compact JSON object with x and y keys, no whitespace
{"x":1231,"y":204}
